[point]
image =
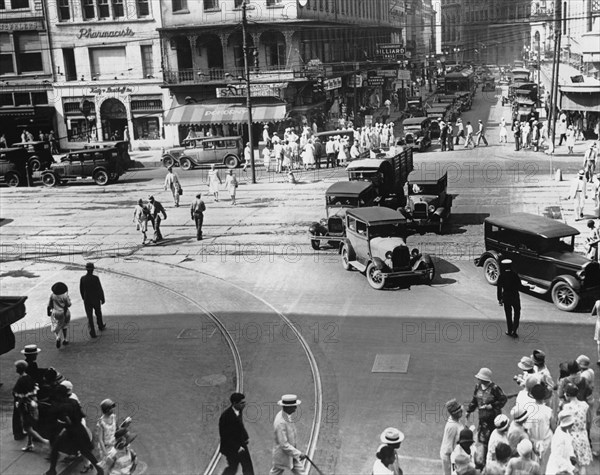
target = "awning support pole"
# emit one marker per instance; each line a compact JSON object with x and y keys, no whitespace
{"x":248,"y":94}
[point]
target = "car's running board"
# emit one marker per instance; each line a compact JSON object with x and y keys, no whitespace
{"x":358,"y":266}
{"x":536,"y":289}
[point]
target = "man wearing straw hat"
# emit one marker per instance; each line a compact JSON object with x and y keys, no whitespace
{"x":285,"y":453}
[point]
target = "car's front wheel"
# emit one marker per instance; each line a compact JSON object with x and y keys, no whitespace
{"x":491,"y":270}
{"x":346,"y":258}
{"x":315,"y":244}
{"x":12,"y":179}
{"x":185,"y":164}
{"x":375,"y":277}
{"x":565,"y":297}
{"x":49,"y":179}
{"x":231,"y":161}
{"x":101,"y":178}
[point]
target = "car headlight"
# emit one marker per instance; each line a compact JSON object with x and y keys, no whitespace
{"x":581,"y":274}
{"x":431,"y":208}
{"x":407,"y":207}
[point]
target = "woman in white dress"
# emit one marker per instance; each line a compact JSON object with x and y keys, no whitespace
{"x":342,"y":157}
{"x":308,"y":156}
{"x":231,"y":184}
{"x":266,"y":153}
{"x":503,"y":131}
{"x":570,"y":139}
{"x":58,"y":310}
{"x":214,"y":180}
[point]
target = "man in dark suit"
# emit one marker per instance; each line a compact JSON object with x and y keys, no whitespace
{"x":509,"y":285}
{"x":156,"y":209}
{"x":93,"y":298}
{"x":234,"y":438}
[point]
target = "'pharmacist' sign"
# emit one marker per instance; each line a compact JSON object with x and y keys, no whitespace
{"x":89,"y":33}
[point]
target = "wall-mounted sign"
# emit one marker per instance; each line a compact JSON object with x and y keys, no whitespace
{"x":387,"y":73}
{"x":111,"y":90}
{"x":22,"y":25}
{"x":89,"y":33}
{"x":390,"y":50}
{"x":375,"y":81}
{"x":256,"y":90}
{"x":355,"y":81}
{"x":331,"y":84}
{"x":403,"y":75}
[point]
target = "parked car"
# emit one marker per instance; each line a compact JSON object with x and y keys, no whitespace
{"x":13,"y":166}
{"x":414,"y":107}
{"x":39,"y":154}
{"x":416,"y":133}
{"x":428,"y":203}
{"x":340,"y":197}
{"x":542,"y":251}
{"x":376,"y":245}
{"x":121,"y":145}
{"x":197,"y":152}
{"x":103,"y":165}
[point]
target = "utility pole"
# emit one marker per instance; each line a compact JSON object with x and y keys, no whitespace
{"x":248,"y":93}
{"x":556,"y":68}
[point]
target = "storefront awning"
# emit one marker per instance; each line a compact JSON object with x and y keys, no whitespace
{"x":224,"y":114}
{"x":581,"y":101}
{"x":26,"y":111}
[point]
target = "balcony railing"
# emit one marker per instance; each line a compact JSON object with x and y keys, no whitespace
{"x":218,"y":75}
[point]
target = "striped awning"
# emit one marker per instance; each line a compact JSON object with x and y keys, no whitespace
{"x":224,"y":114}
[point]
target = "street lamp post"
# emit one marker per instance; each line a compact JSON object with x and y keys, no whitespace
{"x":248,"y":93}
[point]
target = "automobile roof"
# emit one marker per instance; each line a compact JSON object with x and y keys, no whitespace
{"x":374,"y":215}
{"x":519,"y":71}
{"x":92,"y":150}
{"x":348,"y":188}
{"x":414,"y":120}
{"x":415,"y":177}
{"x":232,"y":137}
{"x":533,"y":224}
{"x":365,"y":163}
{"x":33,"y":142}
{"x":13,"y":150}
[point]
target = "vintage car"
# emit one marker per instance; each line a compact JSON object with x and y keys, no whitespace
{"x":428,"y":203}
{"x":414,"y":107}
{"x":340,"y":197}
{"x":376,"y":244}
{"x":121,"y":145}
{"x":13,"y":166}
{"x":416,"y":133}
{"x":542,"y":251}
{"x":101,"y":164}
{"x":489,"y":84}
{"x":39,"y":155}
{"x":228,"y":151}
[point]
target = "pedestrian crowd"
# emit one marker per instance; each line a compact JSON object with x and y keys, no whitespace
{"x":46,"y":410}
{"x":27,"y":136}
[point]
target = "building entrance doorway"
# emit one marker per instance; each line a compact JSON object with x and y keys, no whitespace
{"x":113,"y":115}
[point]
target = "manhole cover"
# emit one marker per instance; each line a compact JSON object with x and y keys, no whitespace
{"x":391,"y":364}
{"x":211,"y":380}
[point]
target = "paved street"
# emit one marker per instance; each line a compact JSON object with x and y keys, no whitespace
{"x":190,"y":321}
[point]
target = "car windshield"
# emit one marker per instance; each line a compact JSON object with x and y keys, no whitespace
{"x":387,"y":230}
{"x":424,"y":189}
{"x":563,"y":244}
{"x":343,"y":201}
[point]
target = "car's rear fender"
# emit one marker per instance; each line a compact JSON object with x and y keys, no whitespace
{"x":573,"y":282}
{"x":317,"y":229}
{"x":479,"y":261}
{"x":424,"y":261}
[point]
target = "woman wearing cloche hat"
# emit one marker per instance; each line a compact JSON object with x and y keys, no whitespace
{"x":562,"y":453}
{"x":489,"y":398}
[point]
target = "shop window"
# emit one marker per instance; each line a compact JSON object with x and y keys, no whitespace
{"x":15,"y":4}
{"x":103,"y":9}
{"x":146,"y":104}
{"x":179,"y":5}
{"x":118,"y":10}
{"x":29,"y":52}
{"x":89,"y":9}
{"x":39,"y":98}
{"x":64,"y":10}
{"x":22,"y":99}
{"x":6,"y":54}
{"x":77,"y":130}
{"x":6,"y":99}
{"x":147,"y":61}
{"x":146,"y":128}
{"x":70,"y":67}
{"x":143,"y":8}
{"x":211,"y":5}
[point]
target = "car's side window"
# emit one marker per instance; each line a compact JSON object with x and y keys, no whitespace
{"x":351,"y":223}
{"x":361,"y":228}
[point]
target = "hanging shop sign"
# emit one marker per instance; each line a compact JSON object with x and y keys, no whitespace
{"x":375,"y":81}
{"x":403,"y":75}
{"x":333,"y":83}
{"x":89,"y":33}
{"x":22,"y":26}
{"x":390,"y":50}
{"x":256,"y":90}
{"x":355,"y":80}
{"x":387,"y":73}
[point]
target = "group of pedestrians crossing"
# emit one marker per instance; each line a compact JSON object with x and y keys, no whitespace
{"x":448,"y":138}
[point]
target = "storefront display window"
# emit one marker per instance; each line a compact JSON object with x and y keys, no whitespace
{"x":77,"y":130}
{"x":146,"y":128}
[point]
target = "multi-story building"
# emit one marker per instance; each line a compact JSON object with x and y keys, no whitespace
{"x":106,"y":55}
{"x":25,"y":70}
{"x":292,"y":45}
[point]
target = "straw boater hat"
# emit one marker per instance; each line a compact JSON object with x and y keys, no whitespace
{"x":581,"y":173}
{"x":501,"y":422}
{"x":518,"y":414}
{"x":583,"y":361}
{"x":289,"y":400}
{"x":565,"y":419}
{"x":30,"y":350}
{"x":526,"y":363}
{"x":484,"y":374}
{"x":391,"y":435}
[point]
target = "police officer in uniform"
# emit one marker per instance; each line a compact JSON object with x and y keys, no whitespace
{"x":509,"y":285}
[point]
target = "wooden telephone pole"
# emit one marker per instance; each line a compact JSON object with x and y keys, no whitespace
{"x":248,"y":93}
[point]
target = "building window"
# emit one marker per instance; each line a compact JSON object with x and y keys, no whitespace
{"x":147,"y":61}
{"x":146,"y":128}
{"x":22,"y":99}
{"x":238,"y":3}
{"x":15,"y":4}
{"x":6,"y":54}
{"x":6,"y":99}
{"x":39,"y":98}
{"x":143,"y":8}
{"x":179,"y":5}
{"x":107,"y":62}
{"x":103,"y":9}
{"x":212,"y":4}
{"x":29,"y":52}
{"x":89,"y":9}
{"x":118,"y":10}
{"x":70,"y":67}
{"x":64,"y":10}
{"x":2,"y":7}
